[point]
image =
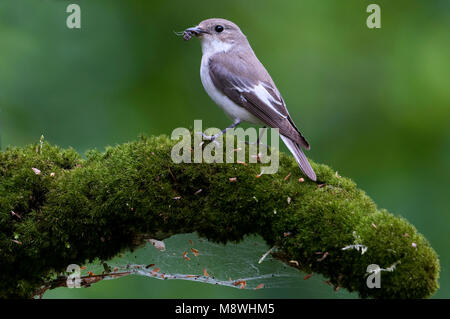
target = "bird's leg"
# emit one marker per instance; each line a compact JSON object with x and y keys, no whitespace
{"x":261,"y":135}
{"x":213,"y":137}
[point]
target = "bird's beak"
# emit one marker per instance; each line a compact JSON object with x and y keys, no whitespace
{"x":195,"y":31}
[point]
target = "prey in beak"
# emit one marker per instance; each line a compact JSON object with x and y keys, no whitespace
{"x":190,"y":32}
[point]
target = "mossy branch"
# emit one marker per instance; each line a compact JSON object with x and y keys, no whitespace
{"x":75,"y":210}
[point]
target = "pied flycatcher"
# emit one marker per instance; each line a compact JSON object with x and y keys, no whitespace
{"x":238,"y":83}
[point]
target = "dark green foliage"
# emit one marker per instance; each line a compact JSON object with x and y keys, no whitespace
{"x":98,"y":206}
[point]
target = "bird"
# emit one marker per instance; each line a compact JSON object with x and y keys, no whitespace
{"x":238,"y":83}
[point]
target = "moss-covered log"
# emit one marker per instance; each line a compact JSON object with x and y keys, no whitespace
{"x":58,"y":209}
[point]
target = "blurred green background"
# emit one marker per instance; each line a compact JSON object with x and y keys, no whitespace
{"x":373,"y":103}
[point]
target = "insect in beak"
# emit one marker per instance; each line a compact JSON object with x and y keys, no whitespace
{"x":190,"y":32}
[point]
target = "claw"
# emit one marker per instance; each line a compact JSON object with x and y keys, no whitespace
{"x":209,"y":137}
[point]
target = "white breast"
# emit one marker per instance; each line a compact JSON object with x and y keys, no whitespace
{"x":233,"y":110}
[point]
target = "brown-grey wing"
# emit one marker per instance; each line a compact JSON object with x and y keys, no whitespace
{"x":259,"y":97}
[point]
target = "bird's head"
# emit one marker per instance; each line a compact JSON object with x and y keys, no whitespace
{"x":216,"y":35}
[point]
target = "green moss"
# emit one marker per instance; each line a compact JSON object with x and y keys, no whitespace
{"x":97,"y":207}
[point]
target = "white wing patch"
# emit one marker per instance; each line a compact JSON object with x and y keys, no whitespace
{"x":261,"y":92}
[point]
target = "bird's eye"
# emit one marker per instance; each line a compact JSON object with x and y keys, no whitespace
{"x":218,"y":28}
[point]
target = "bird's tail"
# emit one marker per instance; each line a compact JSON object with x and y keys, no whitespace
{"x":299,"y":157}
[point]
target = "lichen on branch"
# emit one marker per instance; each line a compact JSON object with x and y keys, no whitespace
{"x":57,"y":208}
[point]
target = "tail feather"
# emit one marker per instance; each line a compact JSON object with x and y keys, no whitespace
{"x":299,"y":157}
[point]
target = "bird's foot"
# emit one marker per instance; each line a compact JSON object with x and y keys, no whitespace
{"x":211,"y":138}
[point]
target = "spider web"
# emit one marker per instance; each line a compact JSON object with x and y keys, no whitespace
{"x":189,"y":257}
